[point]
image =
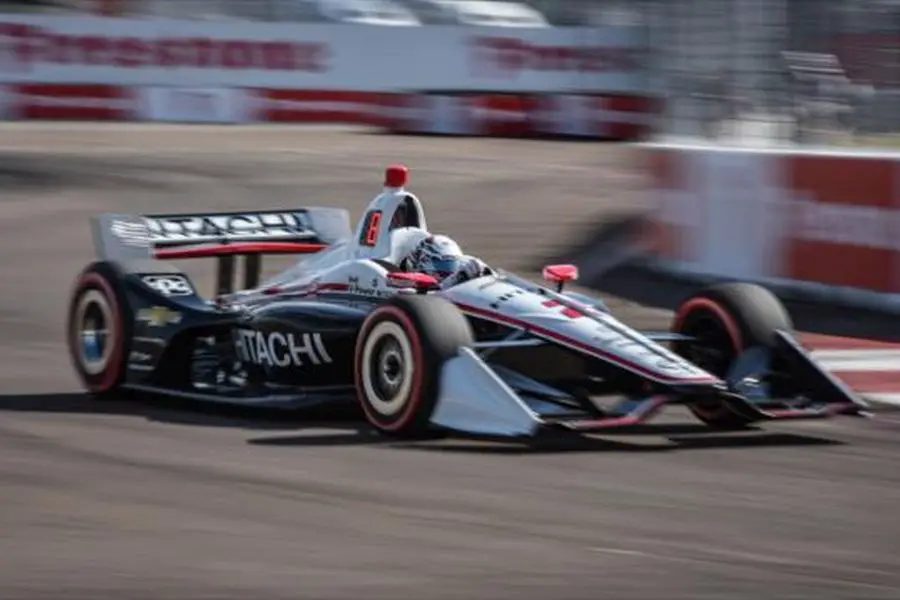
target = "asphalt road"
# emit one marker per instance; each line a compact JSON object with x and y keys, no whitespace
{"x":151,"y":500}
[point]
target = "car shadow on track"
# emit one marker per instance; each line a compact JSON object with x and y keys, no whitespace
{"x":178,"y":412}
{"x":343,"y":426}
{"x":664,"y":438}
{"x":340,"y":434}
{"x":663,"y":444}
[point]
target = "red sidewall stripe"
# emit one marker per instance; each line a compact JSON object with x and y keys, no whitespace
{"x":731,"y":326}
{"x":109,"y":376}
{"x":734,"y":332}
{"x":415,"y":395}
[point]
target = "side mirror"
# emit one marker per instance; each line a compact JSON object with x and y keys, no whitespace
{"x":560,"y":274}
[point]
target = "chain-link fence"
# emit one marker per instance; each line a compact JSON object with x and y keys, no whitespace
{"x":806,"y":71}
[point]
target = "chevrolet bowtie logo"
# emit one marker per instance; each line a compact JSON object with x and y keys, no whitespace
{"x":159,"y":316}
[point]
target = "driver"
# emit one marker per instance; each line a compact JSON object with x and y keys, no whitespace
{"x":442,"y":258}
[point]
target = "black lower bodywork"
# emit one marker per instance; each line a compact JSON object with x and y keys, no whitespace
{"x":290,"y":353}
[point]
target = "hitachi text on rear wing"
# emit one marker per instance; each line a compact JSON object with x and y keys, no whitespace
{"x":224,"y":235}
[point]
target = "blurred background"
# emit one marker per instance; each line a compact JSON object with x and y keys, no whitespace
{"x":496,"y":13}
{"x":779,"y":71}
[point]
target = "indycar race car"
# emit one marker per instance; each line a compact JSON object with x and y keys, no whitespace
{"x":496,"y":355}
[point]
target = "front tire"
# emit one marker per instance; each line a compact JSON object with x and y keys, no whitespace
{"x":727,"y":319}
{"x":400,"y":352}
{"x":99,"y":329}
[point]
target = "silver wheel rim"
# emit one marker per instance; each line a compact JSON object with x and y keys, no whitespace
{"x":95,"y":332}
{"x":387,"y":368}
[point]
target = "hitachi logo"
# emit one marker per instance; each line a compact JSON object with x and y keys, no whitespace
{"x":276,"y":349}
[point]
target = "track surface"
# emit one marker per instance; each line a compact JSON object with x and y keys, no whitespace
{"x":149,"y":501}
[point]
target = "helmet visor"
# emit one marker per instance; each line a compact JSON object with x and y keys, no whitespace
{"x":445,"y":265}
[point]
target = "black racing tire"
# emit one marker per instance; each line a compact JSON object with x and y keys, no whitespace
{"x":728,"y":319}
{"x":400,"y":352}
{"x":99,"y":329}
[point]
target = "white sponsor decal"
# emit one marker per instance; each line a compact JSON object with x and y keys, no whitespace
{"x":614,"y":337}
{"x":131,"y":233}
{"x":230,"y":227}
{"x":136,"y":356}
{"x":357,"y":289}
{"x":655,"y":357}
{"x":276,"y":349}
{"x":169,"y":285}
{"x":865,"y":226}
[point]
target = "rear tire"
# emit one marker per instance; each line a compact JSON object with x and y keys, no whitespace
{"x":728,"y":318}
{"x":400,"y":352}
{"x":99,"y":329}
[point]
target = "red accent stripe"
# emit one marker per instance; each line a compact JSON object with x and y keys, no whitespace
{"x":306,"y":290}
{"x":239,"y":248}
{"x":571,"y":313}
{"x":332,"y":287}
{"x":635,"y":419}
{"x":613,"y":358}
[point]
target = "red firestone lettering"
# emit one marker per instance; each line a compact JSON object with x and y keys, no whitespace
{"x":237,"y":55}
{"x":287,"y":57}
{"x":205,"y":52}
{"x":511,"y":56}
{"x":23,"y":46}
{"x":95,"y":50}
{"x":166,"y":53}
{"x":130,"y":53}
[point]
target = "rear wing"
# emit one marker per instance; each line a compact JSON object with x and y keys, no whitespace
{"x":224,"y":236}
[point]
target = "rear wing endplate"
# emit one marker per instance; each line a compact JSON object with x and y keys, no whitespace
{"x":224,"y":236}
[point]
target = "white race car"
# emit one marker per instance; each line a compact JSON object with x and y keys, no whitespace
{"x":495,"y":355}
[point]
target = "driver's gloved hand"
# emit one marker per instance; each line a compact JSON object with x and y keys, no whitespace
{"x":470,"y":268}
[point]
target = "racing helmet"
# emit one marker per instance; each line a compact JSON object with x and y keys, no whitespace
{"x":436,"y":255}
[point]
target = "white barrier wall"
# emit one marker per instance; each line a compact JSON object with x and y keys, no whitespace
{"x":451,"y":80}
{"x":47,"y":49}
{"x":194,"y":105}
{"x":804,"y":217}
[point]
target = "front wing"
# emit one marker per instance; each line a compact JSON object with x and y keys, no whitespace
{"x":479,"y":399}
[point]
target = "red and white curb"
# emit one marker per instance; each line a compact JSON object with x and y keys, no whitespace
{"x":870,"y":368}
